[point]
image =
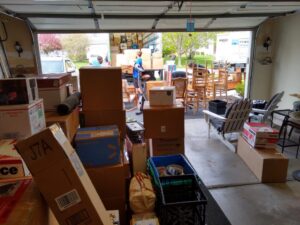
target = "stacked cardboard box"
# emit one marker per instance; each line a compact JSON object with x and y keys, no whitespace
{"x":104,"y":121}
{"x":21,"y":110}
{"x":52,"y":160}
{"x":102,"y":99}
{"x":53,"y":89}
{"x":268,"y":165}
{"x":69,"y":123}
{"x":164,"y":126}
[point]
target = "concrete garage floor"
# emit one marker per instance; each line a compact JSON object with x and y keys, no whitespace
{"x":238,"y":192}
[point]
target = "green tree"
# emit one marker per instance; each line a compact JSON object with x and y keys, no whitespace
{"x":75,"y":45}
{"x":184,"y":43}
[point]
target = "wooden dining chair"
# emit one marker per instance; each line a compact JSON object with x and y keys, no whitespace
{"x":221,"y":85}
{"x":180,"y":88}
{"x":195,"y":96}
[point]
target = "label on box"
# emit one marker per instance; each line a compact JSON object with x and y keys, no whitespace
{"x":76,"y":164}
{"x":67,"y":200}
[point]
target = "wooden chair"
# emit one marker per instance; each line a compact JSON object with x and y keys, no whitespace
{"x":233,"y":120}
{"x":222,"y":84}
{"x":196,"y":94}
{"x":128,"y":91}
{"x":180,"y":87}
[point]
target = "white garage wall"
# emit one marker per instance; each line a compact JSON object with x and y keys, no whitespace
{"x":286,"y":62}
{"x":284,"y":73}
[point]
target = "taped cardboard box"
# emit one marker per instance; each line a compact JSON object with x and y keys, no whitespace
{"x":268,"y":165}
{"x":105,"y":118}
{"x":21,"y":121}
{"x":157,"y":63}
{"x":98,"y":146}
{"x":11,"y":163}
{"x":172,"y":146}
{"x":162,"y":96}
{"x":52,"y":160}
{"x":164,"y":122}
{"x":14,"y":91}
{"x":101,"y":88}
{"x":69,"y":123}
{"x":53,"y":89}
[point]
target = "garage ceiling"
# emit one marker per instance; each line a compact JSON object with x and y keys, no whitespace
{"x":120,"y":16}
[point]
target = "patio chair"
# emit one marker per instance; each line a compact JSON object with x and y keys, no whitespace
{"x":232,"y":122}
{"x":261,"y":115}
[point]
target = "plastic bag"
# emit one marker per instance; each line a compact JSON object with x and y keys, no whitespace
{"x":141,"y":195}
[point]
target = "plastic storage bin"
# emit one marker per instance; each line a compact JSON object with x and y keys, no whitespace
{"x":158,"y":161}
{"x":217,"y":106}
{"x":179,"y":204}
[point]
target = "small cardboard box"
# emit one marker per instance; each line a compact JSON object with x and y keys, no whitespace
{"x":164,"y":121}
{"x":162,"y":96}
{"x":11,"y":163}
{"x":172,"y":146}
{"x":105,"y":118}
{"x":69,"y":123}
{"x":21,"y":121}
{"x":53,"y":89}
{"x":62,"y":179}
{"x":260,"y":135}
{"x":151,"y":84}
{"x":101,"y":88}
{"x":138,"y":154}
{"x":268,"y":165}
{"x":98,"y":146}
{"x":15,"y":91}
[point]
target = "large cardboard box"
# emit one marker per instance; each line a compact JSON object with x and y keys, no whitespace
{"x":138,"y":153}
{"x":62,"y":179}
{"x":260,"y":135}
{"x":268,"y":165}
{"x":11,"y":163}
{"x":53,"y":89}
{"x":104,"y":118}
{"x":171,"y":146}
{"x":162,"y":96}
{"x":101,"y":88}
{"x":14,"y":91}
{"x":21,"y":121}
{"x":151,"y":84}
{"x":98,"y":146}
{"x":114,"y":177}
{"x":69,"y":123}
{"x":164,"y":122}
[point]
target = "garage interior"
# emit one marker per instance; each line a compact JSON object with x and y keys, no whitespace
{"x":234,"y":193}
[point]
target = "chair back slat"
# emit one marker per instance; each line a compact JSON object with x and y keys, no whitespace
{"x":237,"y":116}
{"x":180,"y":86}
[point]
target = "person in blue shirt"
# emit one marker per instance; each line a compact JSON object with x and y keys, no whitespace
{"x":137,"y":69}
{"x":98,"y":62}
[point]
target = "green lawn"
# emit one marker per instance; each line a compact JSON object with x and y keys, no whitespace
{"x":199,"y":59}
{"x":82,"y":63}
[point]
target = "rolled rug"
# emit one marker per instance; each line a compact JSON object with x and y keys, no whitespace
{"x":69,"y":104}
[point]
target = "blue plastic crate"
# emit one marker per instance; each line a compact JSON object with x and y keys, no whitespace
{"x":158,"y":161}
